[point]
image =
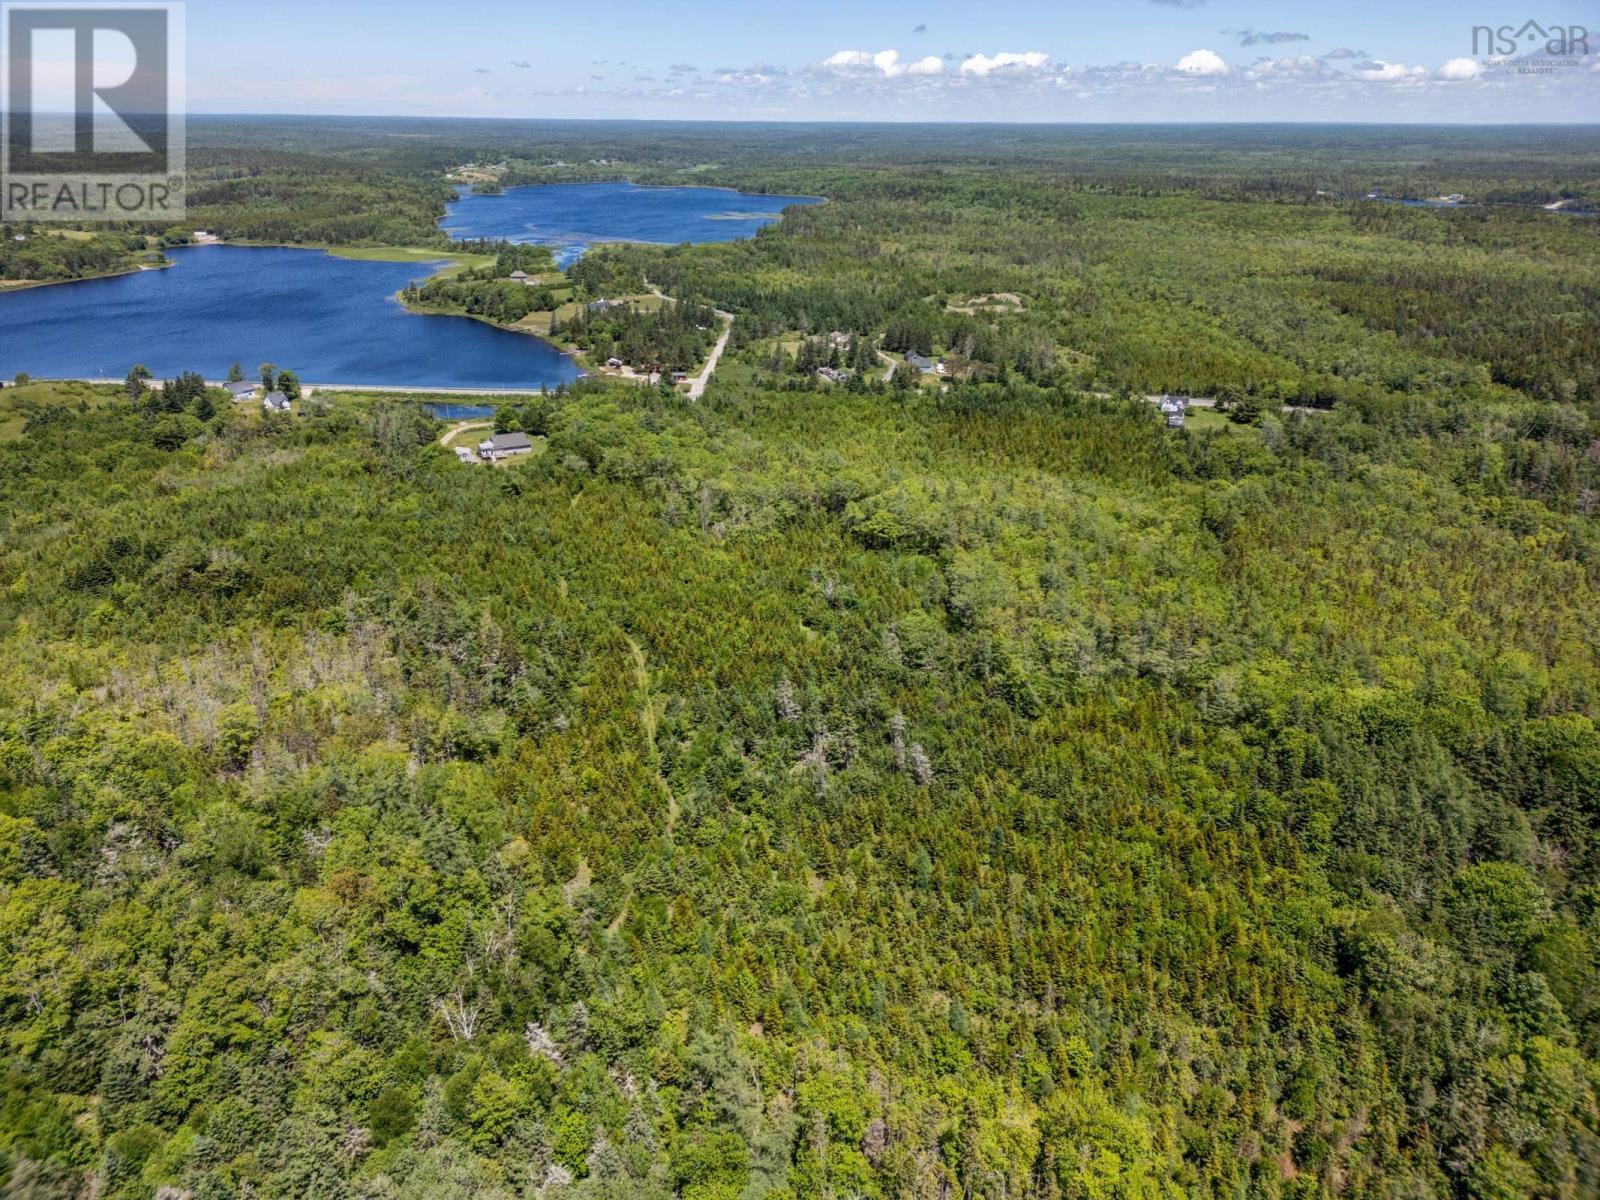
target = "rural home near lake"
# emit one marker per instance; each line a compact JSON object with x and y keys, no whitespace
{"x":504,"y":445}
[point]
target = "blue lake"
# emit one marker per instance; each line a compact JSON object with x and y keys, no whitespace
{"x":334,"y":320}
{"x":574,"y":216}
{"x":330,"y":320}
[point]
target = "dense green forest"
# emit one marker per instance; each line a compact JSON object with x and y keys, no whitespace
{"x":34,"y":254}
{"x":812,"y":792}
{"x":670,"y":337}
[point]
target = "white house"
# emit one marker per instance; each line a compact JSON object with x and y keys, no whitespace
{"x":504,"y":445}
{"x":275,"y":402}
{"x":241,"y":390}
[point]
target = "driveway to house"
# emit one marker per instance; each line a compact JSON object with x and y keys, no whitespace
{"x":697,"y":385}
{"x":450,"y":435}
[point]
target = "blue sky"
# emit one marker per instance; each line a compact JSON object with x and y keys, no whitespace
{"x":1139,"y":60}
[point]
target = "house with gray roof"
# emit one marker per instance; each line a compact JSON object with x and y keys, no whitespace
{"x":504,"y":445}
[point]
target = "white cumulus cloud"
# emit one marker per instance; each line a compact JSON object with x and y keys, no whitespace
{"x":847,"y":59}
{"x":1461,"y":68}
{"x":1302,"y":66}
{"x":1379,"y":71}
{"x":1006,"y":61}
{"x":885,"y":62}
{"x":1202,"y":62}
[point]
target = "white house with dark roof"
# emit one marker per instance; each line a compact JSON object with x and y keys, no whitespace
{"x":504,"y":445}
{"x":275,"y":402}
{"x":241,"y":389}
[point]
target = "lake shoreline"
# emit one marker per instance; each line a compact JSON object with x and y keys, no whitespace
{"x":328,"y":315}
{"x":419,"y":310}
{"x":699,"y":187}
{"x":312,"y":386}
{"x":23,"y":285}
{"x":327,"y":248}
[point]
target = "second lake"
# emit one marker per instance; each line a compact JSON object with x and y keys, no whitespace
{"x":574,"y":216}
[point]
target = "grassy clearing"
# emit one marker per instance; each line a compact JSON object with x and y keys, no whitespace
{"x":469,"y":433}
{"x":1207,"y":419}
{"x":458,"y":260}
{"x":540,"y":322}
{"x":20,"y":402}
{"x":997,"y":302}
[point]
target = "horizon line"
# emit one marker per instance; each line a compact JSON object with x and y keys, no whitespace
{"x":1440,"y":124}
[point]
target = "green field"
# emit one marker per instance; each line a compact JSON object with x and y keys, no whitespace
{"x":458,"y":261}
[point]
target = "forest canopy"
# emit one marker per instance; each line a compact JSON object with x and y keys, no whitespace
{"x":922,"y":786}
